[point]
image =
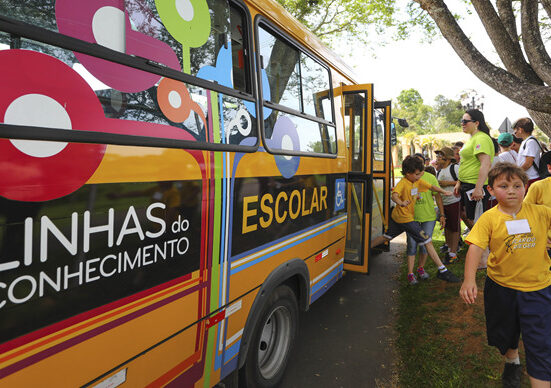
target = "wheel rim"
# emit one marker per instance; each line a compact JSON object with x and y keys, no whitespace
{"x":274,"y":342}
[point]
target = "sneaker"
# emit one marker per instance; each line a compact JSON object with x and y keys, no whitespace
{"x":448,"y":276}
{"x":452,"y":259}
{"x":511,"y":375}
{"x":444,"y":248}
{"x":412,"y":280}
{"x":422,"y":274}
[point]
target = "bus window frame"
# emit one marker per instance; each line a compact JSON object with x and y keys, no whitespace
{"x":376,"y":112}
{"x":277,"y":32}
{"x":42,"y":35}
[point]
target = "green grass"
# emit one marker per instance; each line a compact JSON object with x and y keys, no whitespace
{"x":442,"y":341}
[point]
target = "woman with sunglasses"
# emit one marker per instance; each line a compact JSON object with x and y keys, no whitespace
{"x":476,"y":159}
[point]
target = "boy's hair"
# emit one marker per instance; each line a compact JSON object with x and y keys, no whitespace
{"x":420,"y":155}
{"x":412,"y":164}
{"x":430,"y":170}
{"x":509,"y":170}
{"x":458,"y":144}
{"x":525,"y":123}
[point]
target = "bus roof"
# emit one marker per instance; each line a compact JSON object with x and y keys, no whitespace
{"x":293,"y":27}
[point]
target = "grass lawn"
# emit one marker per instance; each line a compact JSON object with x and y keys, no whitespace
{"x":442,"y":341}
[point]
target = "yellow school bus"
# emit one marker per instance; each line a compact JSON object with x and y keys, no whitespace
{"x":179,"y":179}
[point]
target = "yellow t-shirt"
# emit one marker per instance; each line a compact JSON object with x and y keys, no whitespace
{"x":536,"y":196}
{"x":408,"y":191}
{"x":517,"y":261}
{"x":479,"y":143}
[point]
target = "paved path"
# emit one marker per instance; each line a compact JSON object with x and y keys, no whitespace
{"x":345,"y":339}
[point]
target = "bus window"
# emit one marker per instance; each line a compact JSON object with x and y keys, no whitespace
{"x":379,"y":136}
{"x":281,"y":62}
{"x":312,"y":136}
{"x":148,"y":29}
{"x":178,"y":110}
{"x":354,"y":115}
{"x":315,"y":84}
{"x":301,"y":86}
{"x":240,"y":69}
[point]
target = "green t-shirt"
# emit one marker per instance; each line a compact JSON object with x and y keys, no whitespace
{"x":479,"y":143}
{"x":424,"y":206}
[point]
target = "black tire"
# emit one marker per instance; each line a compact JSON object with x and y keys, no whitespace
{"x":272,"y":341}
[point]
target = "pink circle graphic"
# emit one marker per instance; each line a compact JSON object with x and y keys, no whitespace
{"x":24,"y":176}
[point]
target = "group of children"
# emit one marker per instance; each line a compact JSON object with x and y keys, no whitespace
{"x":517,"y":231}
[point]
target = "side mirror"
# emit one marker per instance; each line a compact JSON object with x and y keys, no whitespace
{"x":393,"y":139}
{"x":403,"y":123}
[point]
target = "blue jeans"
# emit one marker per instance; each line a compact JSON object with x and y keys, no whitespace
{"x":428,"y":227}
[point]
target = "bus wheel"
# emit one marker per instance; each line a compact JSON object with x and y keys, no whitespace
{"x":273,"y":340}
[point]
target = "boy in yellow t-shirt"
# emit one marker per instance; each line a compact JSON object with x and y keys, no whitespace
{"x":402,"y":219}
{"x":539,"y":194}
{"x":517,"y":293}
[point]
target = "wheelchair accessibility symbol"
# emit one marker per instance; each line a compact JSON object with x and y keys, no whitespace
{"x":339,"y":194}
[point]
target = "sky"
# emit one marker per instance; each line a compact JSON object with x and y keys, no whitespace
{"x":432,"y":69}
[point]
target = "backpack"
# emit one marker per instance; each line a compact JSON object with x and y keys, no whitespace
{"x":452,"y":171}
{"x":545,"y":159}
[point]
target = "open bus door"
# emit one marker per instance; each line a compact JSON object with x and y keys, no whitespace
{"x":367,"y":127}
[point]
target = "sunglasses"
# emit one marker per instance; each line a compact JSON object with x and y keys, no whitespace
{"x":463,"y":121}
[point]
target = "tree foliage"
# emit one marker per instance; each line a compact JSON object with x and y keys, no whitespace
{"x":523,"y":71}
{"x":333,"y":18}
{"x":443,"y":116}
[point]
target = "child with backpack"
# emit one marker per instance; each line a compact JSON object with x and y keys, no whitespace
{"x":530,"y":151}
{"x":447,"y":178}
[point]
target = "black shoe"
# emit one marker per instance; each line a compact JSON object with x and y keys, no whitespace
{"x":444,"y":248}
{"x":511,"y":375}
{"x":448,"y":276}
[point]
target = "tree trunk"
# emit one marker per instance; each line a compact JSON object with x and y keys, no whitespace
{"x":542,"y":120}
{"x":517,"y":83}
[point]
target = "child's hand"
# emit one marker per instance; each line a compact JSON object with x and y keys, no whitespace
{"x":405,"y":203}
{"x":468,"y":292}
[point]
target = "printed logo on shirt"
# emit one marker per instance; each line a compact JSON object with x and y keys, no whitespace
{"x":477,"y":147}
{"x":519,"y":241}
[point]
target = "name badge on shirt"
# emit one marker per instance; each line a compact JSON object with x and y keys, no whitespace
{"x":517,"y":226}
{"x":414,"y":191}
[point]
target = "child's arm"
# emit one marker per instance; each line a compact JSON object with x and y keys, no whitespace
{"x":440,"y":205}
{"x":440,"y":190}
{"x":396,"y":198}
{"x":447,"y":183}
{"x":468,"y":289}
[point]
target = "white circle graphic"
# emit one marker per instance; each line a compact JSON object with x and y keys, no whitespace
{"x":287,"y":145}
{"x":38,"y":110}
{"x":108,"y":27}
{"x":174,"y":99}
{"x":185,"y":9}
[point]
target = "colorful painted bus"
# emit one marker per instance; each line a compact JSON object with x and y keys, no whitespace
{"x":179,"y":178}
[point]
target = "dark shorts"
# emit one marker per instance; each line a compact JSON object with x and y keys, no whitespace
{"x":509,"y":313}
{"x":471,"y":205}
{"x":413,"y":229}
{"x":453,"y":220}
